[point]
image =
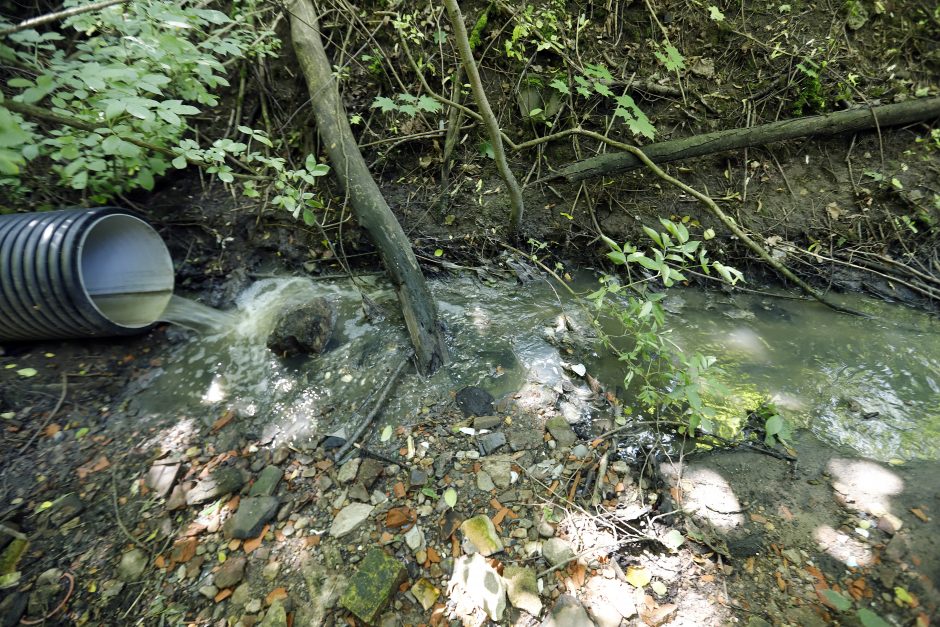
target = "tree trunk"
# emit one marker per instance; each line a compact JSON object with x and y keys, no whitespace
{"x":819,"y":125}
{"x":368,"y":204}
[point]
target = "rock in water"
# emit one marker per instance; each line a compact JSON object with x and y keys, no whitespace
{"x":474,"y":401}
{"x":303,"y":330}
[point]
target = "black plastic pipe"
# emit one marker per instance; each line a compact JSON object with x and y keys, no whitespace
{"x":80,"y":273}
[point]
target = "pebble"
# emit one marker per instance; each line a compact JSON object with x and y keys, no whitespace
{"x":485,"y":482}
{"x":209,"y":591}
{"x":253,"y":606}
{"x":414,"y":538}
{"x":271,"y":570}
{"x":580,"y":451}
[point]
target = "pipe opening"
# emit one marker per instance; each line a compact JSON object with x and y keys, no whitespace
{"x":126,"y":270}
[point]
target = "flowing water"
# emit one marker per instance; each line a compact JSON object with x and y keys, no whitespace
{"x":872,"y":385}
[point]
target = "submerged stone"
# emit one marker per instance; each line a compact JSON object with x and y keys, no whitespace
{"x":266,"y":483}
{"x":373,"y":585}
{"x":302,"y":330}
{"x":474,"y":401}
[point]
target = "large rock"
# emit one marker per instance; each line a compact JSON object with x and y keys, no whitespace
{"x":230,"y":573}
{"x":568,"y":613}
{"x":561,"y":431}
{"x":373,"y":585}
{"x":479,"y":536}
{"x":221,"y":482}
{"x":276,"y":616}
{"x":609,"y":601}
{"x":557,"y":551}
{"x":474,"y":588}
{"x":253,"y":513}
{"x":162,"y":477}
{"x":267,"y":481}
{"x":302,"y":330}
{"x":349,"y":518}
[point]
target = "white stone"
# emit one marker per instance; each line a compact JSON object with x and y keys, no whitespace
{"x":349,"y":518}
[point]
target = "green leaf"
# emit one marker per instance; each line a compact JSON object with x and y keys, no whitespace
{"x":708,"y":234}
{"x":169,"y":117}
{"x":673,"y":540}
{"x":386,"y":433}
{"x":439,"y":252}
{"x":429,"y":492}
{"x":385,"y":105}
{"x":309,"y":217}
{"x":559,"y":86}
{"x":653,"y":235}
{"x":27,"y":372}
{"x":671,"y":58}
{"x":20,"y":82}
{"x":179,"y":162}
{"x":139,"y":110}
{"x":409,"y":110}
{"x":81,"y":433}
{"x":226,"y":176}
{"x":450,"y":497}
{"x":715,"y":14}
{"x":114,"y":108}
{"x":426,"y":103}
{"x":836,"y":600}
{"x":603,"y":89}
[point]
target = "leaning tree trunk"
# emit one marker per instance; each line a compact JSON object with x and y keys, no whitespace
{"x":368,"y":204}
{"x":718,"y":141}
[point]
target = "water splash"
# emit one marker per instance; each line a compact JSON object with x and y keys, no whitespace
{"x":197,"y":317}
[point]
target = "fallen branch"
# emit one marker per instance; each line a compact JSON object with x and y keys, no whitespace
{"x":376,"y":408}
{"x":708,"y":143}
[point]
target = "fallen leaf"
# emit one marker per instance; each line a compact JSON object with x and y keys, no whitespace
{"x":234,"y":544}
{"x":92,"y":466}
{"x":183,"y":550}
{"x":312,"y":540}
{"x":254,"y":543}
{"x":222,"y":421}
{"x":275,"y":595}
{"x":578,"y":572}
{"x":160,"y":562}
{"x":637,"y":576}
{"x":223,"y":594}
{"x":51,"y":430}
{"x":399,"y":490}
{"x":27,"y":372}
{"x":920,"y":514}
{"x":433,"y":556}
{"x":399,"y":517}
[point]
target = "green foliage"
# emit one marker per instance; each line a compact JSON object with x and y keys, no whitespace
{"x":406,"y":104}
{"x":810,"y":97}
{"x":136,"y":71}
{"x":595,"y":81}
{"x":537,"y":29}
{"x":670,"y":57}
{"x":668,"y":383}
{"x":479,"y":27}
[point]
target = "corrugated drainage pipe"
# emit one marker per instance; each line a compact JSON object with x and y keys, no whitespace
{"x":80,"y":273}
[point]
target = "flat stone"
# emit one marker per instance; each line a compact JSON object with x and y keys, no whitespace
{"x":418,"y":478}
{"x":474,"y":401}
{"x":486,"y":422}
{"x":476,"y":585}
{"x":414,"y":538}
{"x":133,"y":563}
{"x":609,"y":601}
{"x":349,"y":518}
{"x":557,"y":551}
{"x":522,"y":589}
{"x":561,"y":431}
{"x":485,"y":482}
{"x":221,"y":482}
{"x":241,"y":595}
{"x":479,"y":536}
{"x":500,"y":470}
{"x":267,"y":481}
{"x":253,"y":513}
{"x":426,"y":593}
{"x":209,"y":591}
{"x":230,"y":573}
{"x":373,"y":585}
{"x":347,"y":472}
{"x":358,"y":492}
{"x":525,"y":439}
{"x":65,"y":509}
{"x":492,"y":442}
{"x":890,"y":524}
{"x":567,"y":612}
{"x":370,"y":470}
{"x":162,"y":477}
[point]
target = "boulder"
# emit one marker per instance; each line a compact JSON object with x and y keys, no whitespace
{"x":373,"y":585}
{"x":303,"y":330}
{"x":474,"y":401}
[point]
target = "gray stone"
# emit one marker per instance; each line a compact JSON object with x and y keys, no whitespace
{"x":580,"y":451}
{"x":209,"y":591}
{"x":524,"y":439}
{"x":443,"y":463}
{"x":230,"y":573}
{"x":252,"y":514}
{"x":522,"y":589}
{"x":485,"y":482}
{"x":546,"y":529}
{"x":267,"y":481}
{"x":132,"y":565}
{"x":492,"y":442}
{"x":253,"y":606}
{"x":500,"y":470}
{"x":609,"y":601}
{"x":414,"y":538}
{"x":568,"y":613}
{"x":561,"y":431}
{"x":303,"y":329}
{"x":280,"y":456}
{"x":358,"y":492}
{"x":369,"y":470}
{"x":65,"y":509}
{"x":241,"y":595}
{"x":347,"y":472}
{"x":486,"y":422}
{"x":162,"y":477}
{"x":221,"y":482}
{"x":479,"y":536}
{"x":418,"y":478}
{"x":373,"y":585}
{"x":349,"y":518}
{"x":557,"y":551}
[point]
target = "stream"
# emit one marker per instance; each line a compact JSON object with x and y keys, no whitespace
{"x":869,"y":385}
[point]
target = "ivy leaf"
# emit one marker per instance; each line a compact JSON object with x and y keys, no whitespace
{"x":386,"y":105}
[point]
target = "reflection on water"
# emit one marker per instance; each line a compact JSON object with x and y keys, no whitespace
{"x":870,"y":384}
